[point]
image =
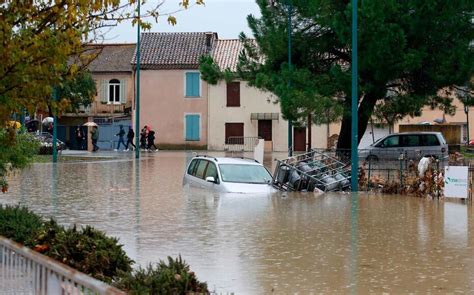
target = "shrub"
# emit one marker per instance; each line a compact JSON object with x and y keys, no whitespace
{"x":87,"y":250}
{"x":172,"y":278}
{"x":20,"y":224}
{"x":16,"y":151}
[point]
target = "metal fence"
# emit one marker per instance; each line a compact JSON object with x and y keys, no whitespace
{"x":241,"y":144}
{"x":397,"y":171}
{"x":24,"y":271}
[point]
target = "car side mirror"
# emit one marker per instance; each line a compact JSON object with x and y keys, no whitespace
{"x":210,"y":179}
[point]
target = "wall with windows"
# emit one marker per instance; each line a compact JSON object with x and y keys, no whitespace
{"x":174,"y":104}
{"x":235,"y":103}
{"x":115,"y":91}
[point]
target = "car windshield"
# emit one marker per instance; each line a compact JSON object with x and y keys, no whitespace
{"x":244,"y":173}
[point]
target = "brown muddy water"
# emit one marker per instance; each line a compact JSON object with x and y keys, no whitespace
{"x":332,"y":243}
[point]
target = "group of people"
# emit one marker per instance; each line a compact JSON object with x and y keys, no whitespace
{"x":147,"y":139}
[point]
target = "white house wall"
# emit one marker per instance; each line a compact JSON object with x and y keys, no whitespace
{"x":252,"y":100}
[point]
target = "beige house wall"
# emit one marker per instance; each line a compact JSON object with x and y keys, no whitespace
{"x":98,"y":107}
{"x":163,"y":106}
{"x":429,"y":115}
{"x":252,"y":100}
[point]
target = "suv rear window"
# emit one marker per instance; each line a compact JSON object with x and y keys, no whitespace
{"x":192,"y":167}
{"x":429,"y":140}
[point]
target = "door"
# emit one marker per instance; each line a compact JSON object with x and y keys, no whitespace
{"x":265,"y":132}
{"x":265,"y":129}
{"x":234,"y":133}
{"x":299,"y":139}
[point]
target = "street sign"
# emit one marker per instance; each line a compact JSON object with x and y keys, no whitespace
{"x":456,"y":182}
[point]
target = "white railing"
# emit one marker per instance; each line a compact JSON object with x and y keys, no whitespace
{"x":240,"y":144}
{"x":24,"y":271}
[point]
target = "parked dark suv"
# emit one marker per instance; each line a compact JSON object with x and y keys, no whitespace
{"x":413,"y":145}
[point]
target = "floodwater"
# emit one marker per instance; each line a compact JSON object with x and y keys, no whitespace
{"x":333,"y":243}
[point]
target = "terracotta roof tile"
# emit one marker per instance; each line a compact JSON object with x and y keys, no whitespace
{"x":112,"y":58}
{"x":226,"y":53}
{"x":174,"y":50}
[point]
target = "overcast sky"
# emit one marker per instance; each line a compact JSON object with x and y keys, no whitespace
{"x":226,"y":17}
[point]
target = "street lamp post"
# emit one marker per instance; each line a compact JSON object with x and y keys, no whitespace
{"x":290,"y":125}
{"x":355,"y":100}
{"x":137,"y":98}
{"x":55,"y":128}
{"x":466,"y":110}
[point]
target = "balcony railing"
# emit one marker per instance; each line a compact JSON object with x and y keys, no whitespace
{"x":98,"y":108}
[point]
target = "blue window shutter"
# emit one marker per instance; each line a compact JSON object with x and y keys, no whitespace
{"x":196,"y":127}
{"x":195,"y":84}
{"x":192,"y":84}
{"x":189,"y":85}
{"x":192,"y":127}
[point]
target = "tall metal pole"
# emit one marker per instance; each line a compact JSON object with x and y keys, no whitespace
{"x":355,"y":100}
{"x":290,"y":125}
{"x":137,"y":98}
{"x":55,"y":128}
{"x":466,"y":111}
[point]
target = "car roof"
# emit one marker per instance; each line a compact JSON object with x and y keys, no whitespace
{"x":229,"y":160}
{"x":416,"y":132}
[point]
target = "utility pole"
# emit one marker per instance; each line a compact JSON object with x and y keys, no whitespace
{"x":137,"y":98}
{"x":290,"y":124}
{"x":355,"y":100}
{"x":55,"y":127}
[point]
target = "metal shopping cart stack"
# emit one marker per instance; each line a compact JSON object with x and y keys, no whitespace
{"x":312,"y":171}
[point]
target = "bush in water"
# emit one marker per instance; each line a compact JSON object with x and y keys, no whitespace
{"x":92,"y":252}
{"x":173,"y":277}
{"x":20,"y":224}
{"x":87,"y":250}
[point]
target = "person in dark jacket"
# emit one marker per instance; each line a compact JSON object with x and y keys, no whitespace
{"x":120,"y":135}
{"x":143,"y":138}
{"x":79,"y":138}
{"x":151,"y":140}
{"x":130,"y":137}
{"x":95,"y":138}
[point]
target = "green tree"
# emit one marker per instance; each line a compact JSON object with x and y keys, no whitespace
{"x":413,"y":47}
{"x":38,"y":39}
{"x":76,"y":92}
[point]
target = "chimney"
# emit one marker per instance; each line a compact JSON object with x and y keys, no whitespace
{"x":209,"y":39}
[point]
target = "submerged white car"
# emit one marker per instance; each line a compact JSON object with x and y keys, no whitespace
{"x":228,"y":175}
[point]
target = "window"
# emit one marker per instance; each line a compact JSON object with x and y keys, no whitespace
{"x":233,"y":94}
{"x":410,"y":140}
{"x":192,"y":125}
{"x":193,"y":87}
{"x":392,"y":141}
{"x":211,"y":171}
{"x":192,"y":167}
{"x":244,"y":173}
{"x":429,"y":140}
{"x":201,"y":168}
{"x":114,"y":91}
{"x":234,"y":133}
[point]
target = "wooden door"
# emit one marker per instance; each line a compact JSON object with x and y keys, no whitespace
{"x":265,"y":129}
{"x":299,"y":139}
{"x":236,"y":133}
